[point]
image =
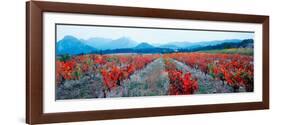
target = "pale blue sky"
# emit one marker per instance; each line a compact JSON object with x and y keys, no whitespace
{"x":153,"y":36}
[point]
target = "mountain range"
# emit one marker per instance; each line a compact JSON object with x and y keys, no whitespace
{"x":144,"y":46}
{"x":72,"y":45}
{"x":103,"y":43}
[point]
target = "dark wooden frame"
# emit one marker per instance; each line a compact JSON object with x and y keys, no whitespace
{"x":34,"y":61}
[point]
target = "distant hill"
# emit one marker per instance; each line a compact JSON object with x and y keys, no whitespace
{"x":176,"y":45}
{"x":98,"y":42}
{"x":123,"y":42}
{"x":71,"y":45}
{"x":191,"y":45}
{"x":246,"y":43}
{"x":103,"y":43}
{"x":169,"y":46}
{"x":144,"y":46}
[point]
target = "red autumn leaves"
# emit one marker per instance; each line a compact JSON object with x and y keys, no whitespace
{"x":114,"y":73}
{"x":113,"y":77}
{"x":234,"y":69}
{"x":236,"y":73}
{"x":75,"y":67}
{"x":113,"y":68}
{"x":64,"y":70}
{"x":180,"y":83}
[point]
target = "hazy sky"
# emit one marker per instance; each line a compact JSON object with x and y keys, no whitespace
{"x":153,"y":36}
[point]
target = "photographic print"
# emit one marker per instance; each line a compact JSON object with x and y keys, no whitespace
{"x":96,"y":61}
{"x":94,"y":64}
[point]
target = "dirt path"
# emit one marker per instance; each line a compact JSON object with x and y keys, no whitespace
{"x":150,"y":81}
{"x":206,"y":83}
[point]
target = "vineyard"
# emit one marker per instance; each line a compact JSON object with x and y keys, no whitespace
{"x":103,"y":76}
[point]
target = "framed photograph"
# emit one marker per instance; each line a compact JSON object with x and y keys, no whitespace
{"x":95,"y":62}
